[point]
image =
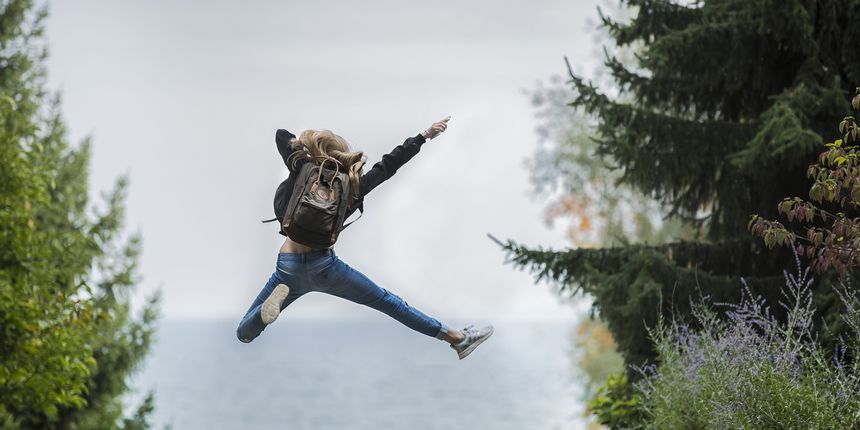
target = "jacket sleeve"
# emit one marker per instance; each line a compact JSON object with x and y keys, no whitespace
{"x":282,"y":139}
{"x":389,"y":164}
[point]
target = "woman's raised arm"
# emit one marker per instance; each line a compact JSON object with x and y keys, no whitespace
{"x":387,"y":167}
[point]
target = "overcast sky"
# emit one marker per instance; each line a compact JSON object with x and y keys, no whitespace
{"x":185,"y":98}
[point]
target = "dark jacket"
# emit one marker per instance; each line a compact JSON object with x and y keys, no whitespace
{"x":377,"y":174}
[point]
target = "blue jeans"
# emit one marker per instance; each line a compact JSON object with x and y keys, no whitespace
{"x":322,"y":271}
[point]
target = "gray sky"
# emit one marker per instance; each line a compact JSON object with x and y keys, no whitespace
{"x":185,"y":97}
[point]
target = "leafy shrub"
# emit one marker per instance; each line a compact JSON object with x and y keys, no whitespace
{"x":617,"y":405}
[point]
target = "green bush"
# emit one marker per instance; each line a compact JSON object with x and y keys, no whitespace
{"x":617,"y":405}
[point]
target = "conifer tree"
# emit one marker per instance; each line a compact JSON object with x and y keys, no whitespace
{"x":68,"y":341}
{"x":717,"y":120}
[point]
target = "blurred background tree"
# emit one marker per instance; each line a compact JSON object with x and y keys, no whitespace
{"x":584,"y":191}
{"x":68,"y":340}
{"x":717,"y":118}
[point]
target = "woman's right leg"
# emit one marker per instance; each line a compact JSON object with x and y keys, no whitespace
{"x":252,"y":323}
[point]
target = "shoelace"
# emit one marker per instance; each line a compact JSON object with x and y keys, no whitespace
{"x":471,"y":333}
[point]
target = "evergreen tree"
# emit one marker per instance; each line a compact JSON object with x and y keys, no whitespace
{"x":717,"y":120}
{"x":67,"y":340}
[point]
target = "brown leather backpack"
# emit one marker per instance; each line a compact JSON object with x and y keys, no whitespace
{"x":317,"y":208}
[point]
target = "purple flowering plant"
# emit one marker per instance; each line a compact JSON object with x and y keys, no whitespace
{"x":744,"y":368}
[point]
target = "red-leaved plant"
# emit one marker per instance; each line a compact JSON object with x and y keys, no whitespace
{"x":832,"y":237}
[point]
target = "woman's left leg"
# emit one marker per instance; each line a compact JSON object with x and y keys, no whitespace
{"x":352,"y":285}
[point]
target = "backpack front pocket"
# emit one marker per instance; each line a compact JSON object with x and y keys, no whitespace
{"x":315,"y":215}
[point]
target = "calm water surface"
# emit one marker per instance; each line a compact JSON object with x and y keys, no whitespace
{"x":304,"y":374}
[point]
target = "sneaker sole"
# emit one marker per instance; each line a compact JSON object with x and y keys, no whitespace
{"x":472,"y":347}
{"x":271,"y":307}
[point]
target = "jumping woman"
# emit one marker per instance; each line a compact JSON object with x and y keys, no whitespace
{"x":301,"y":269}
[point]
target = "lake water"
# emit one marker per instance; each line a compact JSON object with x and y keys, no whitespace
{"x":377,"y":374}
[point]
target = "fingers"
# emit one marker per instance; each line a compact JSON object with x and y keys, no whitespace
{"x":438,"y":127}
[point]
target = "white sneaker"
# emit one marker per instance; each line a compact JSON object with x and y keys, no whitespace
{"x":272,"y":305}
{"x":473,"y":339}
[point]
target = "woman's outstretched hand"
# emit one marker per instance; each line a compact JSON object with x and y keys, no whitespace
{"x":437,"y":128}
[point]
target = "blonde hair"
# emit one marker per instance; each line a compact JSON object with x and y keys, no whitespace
{"x":317,"y":144}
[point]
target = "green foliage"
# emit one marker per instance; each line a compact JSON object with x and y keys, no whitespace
{"x":617,"y":405}
{"x":67,"y":340}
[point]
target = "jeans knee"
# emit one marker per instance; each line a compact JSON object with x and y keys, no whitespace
{"x":395,"y":300}
{"x":393,"y":303}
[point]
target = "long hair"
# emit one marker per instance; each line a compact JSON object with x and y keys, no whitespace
{"x":312,"y":144}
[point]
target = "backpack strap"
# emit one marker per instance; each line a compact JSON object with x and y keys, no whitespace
{"x":274,"y":219}
{"x":360,"y":213}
